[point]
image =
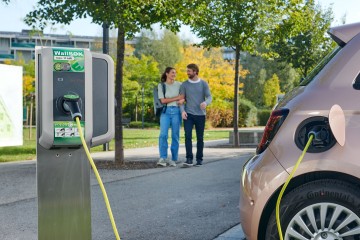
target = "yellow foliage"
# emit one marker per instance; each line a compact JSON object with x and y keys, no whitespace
{"x":28,"y":85}
{"x":271,"y":89}
{"x":217,"y":72}
{"x":7,"y":61}
{"x":129,"y":50}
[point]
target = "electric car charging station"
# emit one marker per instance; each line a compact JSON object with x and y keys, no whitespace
{"x":71,"y":84}
{"x":304,"y":181}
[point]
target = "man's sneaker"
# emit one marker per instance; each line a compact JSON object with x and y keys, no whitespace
{"x":162,"y":162}
{"x":188,"y":163}
{"x":198,"y":164}
{"x":172,"y":163}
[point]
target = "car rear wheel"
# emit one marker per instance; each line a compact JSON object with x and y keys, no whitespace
{"x":319,"y":210}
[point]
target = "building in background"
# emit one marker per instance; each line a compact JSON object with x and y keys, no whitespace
{"x":15,"y":45}
{"x":22,"y":44}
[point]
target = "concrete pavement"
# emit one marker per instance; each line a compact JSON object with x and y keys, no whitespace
{"x":214,"y":152}
{"x":215,"y":149}
{"x":22,"y":174}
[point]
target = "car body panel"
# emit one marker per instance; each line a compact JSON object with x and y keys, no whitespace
{"x":345,"y":32}
{"x":261,"y":174}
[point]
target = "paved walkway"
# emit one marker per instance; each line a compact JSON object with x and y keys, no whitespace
{"x":214,"y":151}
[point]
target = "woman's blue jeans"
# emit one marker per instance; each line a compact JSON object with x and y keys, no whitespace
{"x":170,"y":118}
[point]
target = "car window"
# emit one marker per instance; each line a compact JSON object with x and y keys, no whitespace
{"x":319,"y":67}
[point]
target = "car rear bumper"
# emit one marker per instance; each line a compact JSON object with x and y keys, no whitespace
{"x":260,"y":179}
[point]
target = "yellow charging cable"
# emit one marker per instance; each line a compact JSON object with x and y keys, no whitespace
{"x":98,"y":179}
{"x":277,"y":210}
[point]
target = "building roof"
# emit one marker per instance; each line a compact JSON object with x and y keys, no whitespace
{"x":25,"y":33}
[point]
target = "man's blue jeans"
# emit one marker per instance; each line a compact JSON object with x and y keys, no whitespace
{"x":199,"y":122}
{"x":170,"y":118}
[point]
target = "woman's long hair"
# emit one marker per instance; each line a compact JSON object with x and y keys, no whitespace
{"x":167,"y":70}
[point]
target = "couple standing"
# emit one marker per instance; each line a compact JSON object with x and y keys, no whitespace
{"x":187,"y":100}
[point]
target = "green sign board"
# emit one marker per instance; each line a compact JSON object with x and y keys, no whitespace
{"x":68,"y":60}
{"x":66,"y":133}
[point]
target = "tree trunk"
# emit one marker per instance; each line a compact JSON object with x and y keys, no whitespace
{"x":119,"y":144}
{"x":236,"y":97}
{"x":31,"y":117}
{"x":105,"y":45}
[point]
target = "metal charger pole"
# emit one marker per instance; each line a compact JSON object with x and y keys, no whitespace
{"x":63,"y":170}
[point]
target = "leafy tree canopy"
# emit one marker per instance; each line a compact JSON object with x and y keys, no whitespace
{"x":129,"y":15}
{"x":138,"y":73}
{"x":236,"y":23}
{"x":301,"y":39}
{"x":166,"y":50}
{"x":271,"y":89}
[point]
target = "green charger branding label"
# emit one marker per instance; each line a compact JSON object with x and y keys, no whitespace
{"x":66,"y":133}
{"x":69,"y":60}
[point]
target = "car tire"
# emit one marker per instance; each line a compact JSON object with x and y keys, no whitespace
{"x":316,"y":210}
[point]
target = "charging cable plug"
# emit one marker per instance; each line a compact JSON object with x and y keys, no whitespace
{"x":71,"y":104}
{"x":320,"y":134}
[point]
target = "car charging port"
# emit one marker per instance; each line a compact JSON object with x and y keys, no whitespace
{"x":320,"y":128}
{"x":321,"y":135}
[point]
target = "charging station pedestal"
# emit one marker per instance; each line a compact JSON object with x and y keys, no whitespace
{"x":63,"y":171}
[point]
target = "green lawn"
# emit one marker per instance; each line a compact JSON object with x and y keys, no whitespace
{"x":133,"y":138}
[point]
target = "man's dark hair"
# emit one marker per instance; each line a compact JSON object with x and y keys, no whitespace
{"x":193,"y":67}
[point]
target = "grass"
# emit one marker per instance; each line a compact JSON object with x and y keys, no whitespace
{"x":133,"y":138}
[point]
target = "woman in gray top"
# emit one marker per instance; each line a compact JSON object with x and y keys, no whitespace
{"x":170,"y":117}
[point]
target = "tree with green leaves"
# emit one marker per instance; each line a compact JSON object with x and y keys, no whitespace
{"x":260,"y":69}
{"x":140,"y":76}
{"x":253,"y":86}
{"x":165,"y":50}
{"x":271,"y":90}
{"x":234,"y":24}
{"x":301,"y":39}
{"x":128,"y":16}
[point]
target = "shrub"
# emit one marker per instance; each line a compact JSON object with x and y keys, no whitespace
{"x":146,"y":125}
{"x":208,"y":125}
{"x":220,"y":114}
{"x":247,"y":113}
{"x":263,"y":116}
